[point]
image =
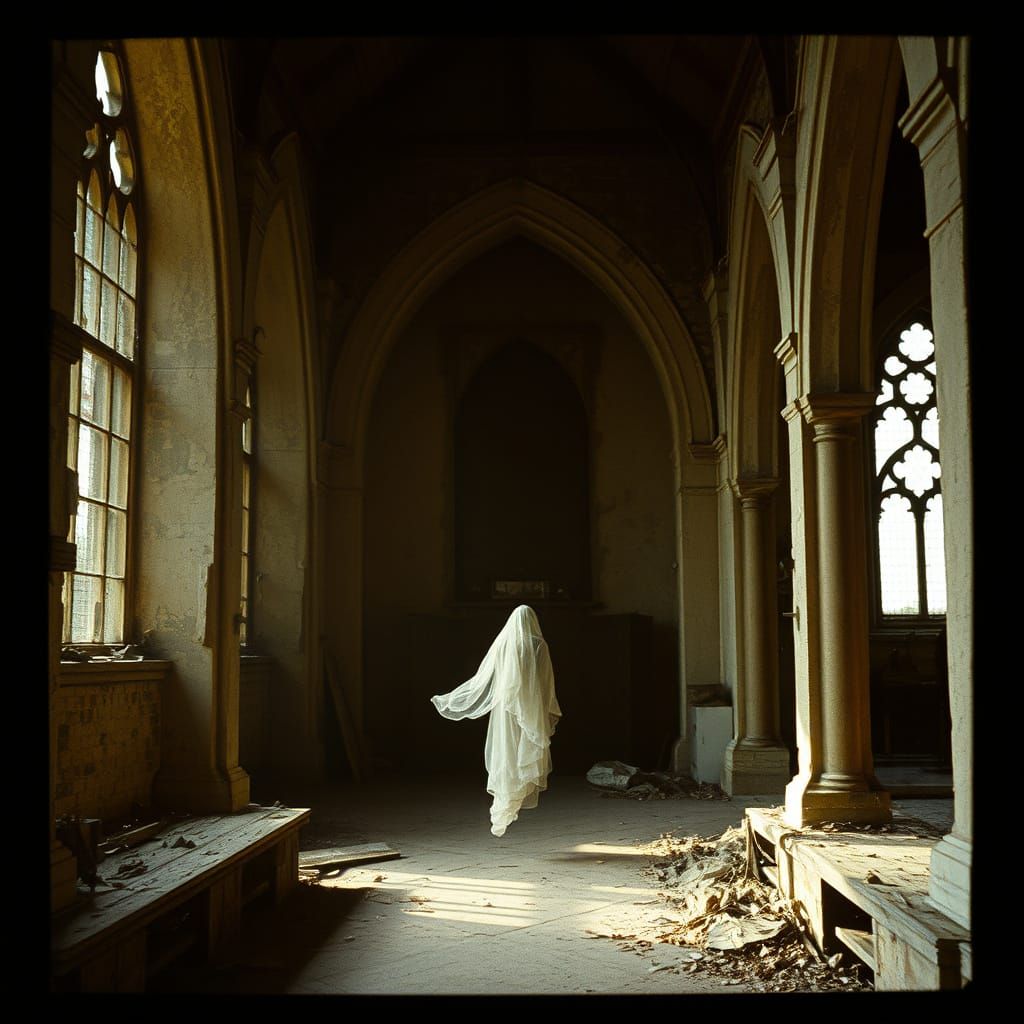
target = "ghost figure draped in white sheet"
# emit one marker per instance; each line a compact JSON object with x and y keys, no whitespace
{"x":516,"y":685}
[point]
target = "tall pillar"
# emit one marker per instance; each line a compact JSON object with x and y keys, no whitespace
{"x":936,"y":124}
{"x":842,"y":786}
{"x":756,"y":761}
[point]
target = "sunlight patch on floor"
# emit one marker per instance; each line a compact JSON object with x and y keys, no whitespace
{"x":489,"y":901}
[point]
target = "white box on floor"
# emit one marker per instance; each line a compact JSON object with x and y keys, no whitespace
{"x":710,"y":732}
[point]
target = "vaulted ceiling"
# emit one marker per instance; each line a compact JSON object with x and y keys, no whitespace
{"x":330,"y":84}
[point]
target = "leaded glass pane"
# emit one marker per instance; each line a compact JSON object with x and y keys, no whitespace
{"x":95,"y":389}
{"x":113,"y":612}
{"x":92,"y":463}
{"x":128,"y":253}
{"x":916,"y":388}
{"x":117,"y":539}
{"x":935,"y":556}
{"x":108,"y":313}
{"x":894,"y":366}
{"x":916,"y":343}
{"x":87,"y":610}
{"x":918,"y":470}
{"x":118,"y":473}
{"x":90,"y":524}
{"x":108,"y":83}
{"x":111,"y":243}
{"x":121,"y":405}
{"x":90,"y":301}
{"x":93,"y":236}
{"x":125,"y":325}
{"x":892,"y":431}
{"x":897,"y":550}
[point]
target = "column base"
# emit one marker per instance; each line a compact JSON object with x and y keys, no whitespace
{"x":809,"y":804}
{"x":949,"y":879}
{"x":63,"y":877}
{"x":752,"y":769}
{"x":203,"y":794}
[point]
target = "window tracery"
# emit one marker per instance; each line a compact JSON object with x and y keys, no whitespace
{"x":907,"y":481}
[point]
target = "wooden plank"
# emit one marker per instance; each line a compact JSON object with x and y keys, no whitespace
{"x":845,"y":861}
{"x":342,"y":856}
{"x":860,"y":943}
{"x":172,"y":881}
{"x":134,"y":837}
{"x":120,"y":968}
{"x":286,"y":866}
{"x":223,"y":912}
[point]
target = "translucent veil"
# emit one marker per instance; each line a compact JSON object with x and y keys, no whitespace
{"x":516,"y":685}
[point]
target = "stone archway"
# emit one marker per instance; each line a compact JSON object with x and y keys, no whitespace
{"x":519,"y":207}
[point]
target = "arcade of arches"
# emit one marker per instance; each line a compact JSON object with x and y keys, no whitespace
{"x":418,"y":322}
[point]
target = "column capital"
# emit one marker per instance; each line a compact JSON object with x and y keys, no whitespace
{"x":929,"y":117}
{"x":832,"y":414}
{"x":754,"y":492}
{"x":707,"y":451}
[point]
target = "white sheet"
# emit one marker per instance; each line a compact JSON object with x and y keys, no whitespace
{"x":516,"y":686}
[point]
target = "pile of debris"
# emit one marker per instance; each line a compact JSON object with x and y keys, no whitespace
{"x":736,"y":927}
{"x":617,"y":779}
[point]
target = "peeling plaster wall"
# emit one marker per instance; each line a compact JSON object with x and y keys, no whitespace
{"x":175,"y":510}
{"x":409,"y":484}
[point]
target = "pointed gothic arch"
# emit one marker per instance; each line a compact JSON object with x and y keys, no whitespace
{"x":520,"y":207}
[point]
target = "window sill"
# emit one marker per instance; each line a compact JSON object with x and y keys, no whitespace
{"x":91,"y":673}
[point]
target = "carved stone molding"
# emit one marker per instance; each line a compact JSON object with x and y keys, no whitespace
{"x":834,"y":411}
{"x":754,"y":492}
{"x":929,"y":117}
{"x":786,"y":351}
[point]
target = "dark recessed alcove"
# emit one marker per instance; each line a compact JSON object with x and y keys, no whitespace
{"x":521,"y":477}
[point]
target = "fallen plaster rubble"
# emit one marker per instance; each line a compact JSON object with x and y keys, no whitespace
{"x":618,"y":779}
{"x":726,"y":923}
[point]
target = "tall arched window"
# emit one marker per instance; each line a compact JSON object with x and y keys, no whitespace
{"x":907,"y":481}
{"x":103,"y":385}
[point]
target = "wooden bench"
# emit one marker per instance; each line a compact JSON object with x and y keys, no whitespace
{"x":184,"y":887}
{"x":866,"y":893}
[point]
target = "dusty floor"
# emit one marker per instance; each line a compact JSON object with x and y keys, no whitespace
{"x":464,"y":913}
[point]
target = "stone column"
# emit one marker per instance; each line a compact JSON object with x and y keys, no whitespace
{"x":756,"y":760}
{"x":843,"y":787}
{"x":936,"y":124}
